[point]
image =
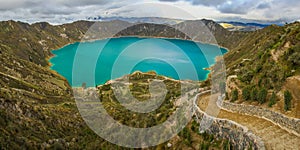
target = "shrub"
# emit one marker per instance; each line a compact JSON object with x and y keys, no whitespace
{"x":294,"y":59}
{"x":57,"y":146}
{"x":253,"y":94}
{"x":195,"y":126}
{"x":234,"y":95}
{"x":287,"y":100}
{"x":272,"y":99}
{"x":185,"y":133}
{"x":258,"y":68}
{"x":226,"y":95}
{"x":246,"y":93}
{"x":204,"y":146}
{"x":262,"y":95}
{"x":247,"y":77}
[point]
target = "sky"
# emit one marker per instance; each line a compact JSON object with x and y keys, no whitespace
{"x":63,"y":11}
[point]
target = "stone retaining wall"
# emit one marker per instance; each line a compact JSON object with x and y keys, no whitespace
{"x":239,"y":136}
{"x":291,"y":124}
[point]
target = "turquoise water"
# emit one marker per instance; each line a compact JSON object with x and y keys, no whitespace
{"x":96,"y":62}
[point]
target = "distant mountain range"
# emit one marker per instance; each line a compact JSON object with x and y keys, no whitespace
{"x":157,"y":20}
{"x":239,"y":26}
{"x":243,"y":25}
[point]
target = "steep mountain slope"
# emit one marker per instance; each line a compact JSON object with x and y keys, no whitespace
{"x":267,"y":59}
{"x":35,"y":42}
{"x":206,"y":31}
{"x":31,"y":42}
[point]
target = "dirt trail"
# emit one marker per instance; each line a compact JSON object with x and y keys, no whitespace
{"x":273,"y":136}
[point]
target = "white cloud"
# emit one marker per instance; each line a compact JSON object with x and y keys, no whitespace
{"x":61,"y":11}
{"x":251,"y":9}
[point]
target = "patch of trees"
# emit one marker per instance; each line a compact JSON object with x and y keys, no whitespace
{"x":258,"y":94}
{"x":251,"y":93}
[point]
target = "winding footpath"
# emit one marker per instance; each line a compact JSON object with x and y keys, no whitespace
{"x":273,"y":136}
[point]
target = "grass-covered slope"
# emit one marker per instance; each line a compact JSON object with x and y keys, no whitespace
{"x":264,"y":62}
{"x":188,"y":138}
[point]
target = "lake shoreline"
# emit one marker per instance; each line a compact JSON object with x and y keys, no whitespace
{"x":207,"y":76}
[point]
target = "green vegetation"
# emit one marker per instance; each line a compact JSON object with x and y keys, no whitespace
{"x":227,"y":146}
{"x":253,"y":94}
{"x":186,"y":135}
{"x":262,"y":95}
{"x":287,"y":100}
{"x":204,"y":146}
{"x":234,"y":95}
{"x":139,"y":88}
{"x":246,"y":93}
{"x":195,"y":126}
{"x":292,"y":57}
{"x":273,"y":100}
{"x":263,"y":63}
{"x":210,"y":142}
